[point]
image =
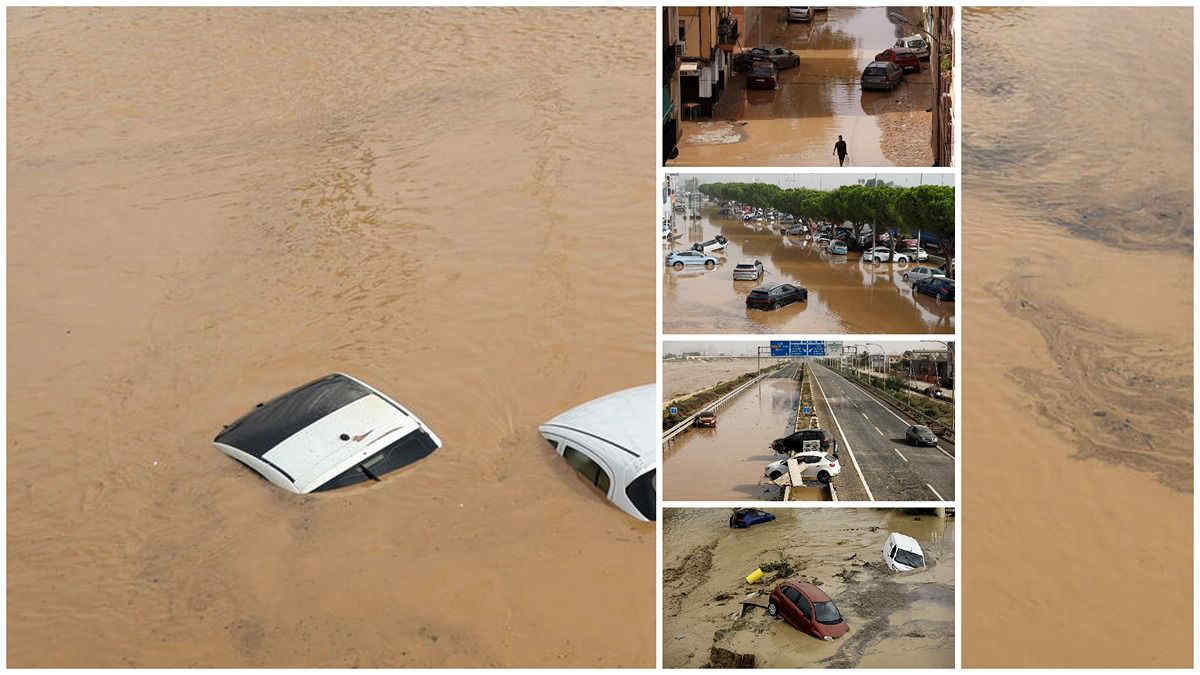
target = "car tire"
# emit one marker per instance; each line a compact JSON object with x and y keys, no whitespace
{"x":678,"y":266}
{"x":708,"y":264}
{"x":823,"y":478}
{"x":775,"y":305}
{"x":772,"y":608}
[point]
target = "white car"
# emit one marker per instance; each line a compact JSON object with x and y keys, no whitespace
{"x":799,"y":14}
{"x":717,"y":243}
{"x":902,"y":553}
{"x":921,"y":273}
{"x":884,"y":254}
{"x":813,"y":464}
{"x":329,"y":433}
{"x":611,"y":442}
{"x":748,"y":270}
{"x":913,"y":43}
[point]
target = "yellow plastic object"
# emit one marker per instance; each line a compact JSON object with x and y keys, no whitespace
{"x":754,"y":577}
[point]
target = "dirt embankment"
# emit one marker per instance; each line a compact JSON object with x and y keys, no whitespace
{"x":711,"y":616}
{"x":682,"y":377}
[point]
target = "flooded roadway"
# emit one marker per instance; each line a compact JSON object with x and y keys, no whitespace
{"x":1090,"y":172}
{"x":207,"y":207}
{"x":844,"y":294}
{"x":895,"y":620}
{"x":798,"y":123}
{"x":726,"y":463}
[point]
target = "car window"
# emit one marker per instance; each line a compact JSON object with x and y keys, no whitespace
{"x":553,"y":444}
{"x":587,"y":468}
{"x":805,"y":608}
{"x":642,"y":493}
{"x":792,"y":594}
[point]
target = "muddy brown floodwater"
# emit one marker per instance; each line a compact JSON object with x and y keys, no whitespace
{"x":209,"y":206}
{"x":726,"y":463}
{"x":895,"y":620}
{"x":1077,"y":220}
{"x":818,"y":100}
{"x":845,"y":295}
{"x":682,"y":377}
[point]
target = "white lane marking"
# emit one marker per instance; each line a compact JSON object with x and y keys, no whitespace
{"x":935,"y":493}
{"x":944,"y":452}
{"x":889,"y":410}
{"x":848,"y":448}
{"x":897,"y":451}
{"x":864,"y":415}
{"x":880,"y":432}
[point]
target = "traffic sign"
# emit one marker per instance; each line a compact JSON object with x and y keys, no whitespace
{"x":779,"y":348}
{"x":797,"y":348}
{"x":674,"y":410}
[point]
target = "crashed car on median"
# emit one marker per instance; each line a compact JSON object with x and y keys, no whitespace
{"x":329,"y":433}
{"x":818,"y":465}
{"x":611,"y":442}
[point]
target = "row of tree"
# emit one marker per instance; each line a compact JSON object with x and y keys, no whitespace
{"x":928,"y":208}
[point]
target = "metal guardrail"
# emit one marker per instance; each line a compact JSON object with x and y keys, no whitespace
{"x":686,"y":423}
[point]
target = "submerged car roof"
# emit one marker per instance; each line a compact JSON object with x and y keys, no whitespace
{"x":625,"y":419}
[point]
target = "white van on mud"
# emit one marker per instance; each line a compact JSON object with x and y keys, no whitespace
{"x":902,"y":553}
{"x":610,"y":441}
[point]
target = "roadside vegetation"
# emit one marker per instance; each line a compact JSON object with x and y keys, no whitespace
{"x":686,"y":407}
{"x":940,"y":412}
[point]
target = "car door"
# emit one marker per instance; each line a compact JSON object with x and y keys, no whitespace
{"x":804,"y":613}
{"x":791,"y":609}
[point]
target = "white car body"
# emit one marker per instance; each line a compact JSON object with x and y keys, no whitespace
{"x":329,"y":427}
{"x":799,"y":14}
{"x":812,"y":465}
{"x":913,"y":43}
{"x":884,"y":254}
{"x":903,"y":547}
{"x":921,"y":273}
{"x":614,"y":434}
{"x":713,"y":245}
{"x":748,"y":270}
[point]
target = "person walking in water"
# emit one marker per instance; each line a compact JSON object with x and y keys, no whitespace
{"x":839,"y":149}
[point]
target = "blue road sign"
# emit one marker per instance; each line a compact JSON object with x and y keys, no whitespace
{"x":797,"y":348}
{"x":807,"y":410}
{"x":779,"y":348}
{"x":674,"y":410}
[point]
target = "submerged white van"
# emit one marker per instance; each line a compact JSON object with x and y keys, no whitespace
{"x":902,"y":553}
{"x":610,"y":441}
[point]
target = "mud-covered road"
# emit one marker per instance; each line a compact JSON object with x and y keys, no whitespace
{"x":798,"y":123}
{"x":845,"y":295}
{"x":898,"y":621}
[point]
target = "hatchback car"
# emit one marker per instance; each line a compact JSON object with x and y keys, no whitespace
{"x":681,"y":259}
{"x":762,"y":76}
{"x":938,"y":287}
{"x":780,"y":56}
{"x":329,"y":433}
{"x":907,"y":60}
{"x":799,"y":14}
{"x":914,"y":43}
{"x":922,"y":273}
{"x":748,"y":271}
{"x":819,"y":465}
{"x":920,"y":435}
{"x":611,"y":443}
{"x":837,"y":247}
{"x":707,"y":418}
{"x":882,"y":75}
{"x":807,"y":608}
{"x":806,"y":440}
{"x":902,"y":553}
{"x":775,"y":296}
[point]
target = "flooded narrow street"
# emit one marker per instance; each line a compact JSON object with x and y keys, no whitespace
{"x":1078,"y":221}
{"x":797,"y":123}
{"x":894,"y":620}
{"x":726,"y":463}
{"x":207,"y":207}
{"x":845,"y":295}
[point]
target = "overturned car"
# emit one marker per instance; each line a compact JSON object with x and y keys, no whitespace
{"x":611,"y":442}
{"x":329,"y":433}
{"x":902,"y":553}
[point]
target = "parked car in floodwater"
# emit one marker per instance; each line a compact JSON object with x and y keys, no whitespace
{"x":781,"y":57}
{"x":819,"y":465}
{"x":884,"y":254}
{"x":938,"y":287}
{"x":808,"y":609}
{"x":762,"y":76}
{"x":775,"y":296}
{"x":906,"y":59}
{"x":914,"y":43}
{"x":610,"y":442}
{"x":707,"y":418}
{"x":806,"y":440}
{"x":748,"y":271}
{"x":799,"y":14}
{"x":920,"y":435}
{"x":681,"y":259}
{"x":922,"y":273}
{"x":882,"y":75}
{"x":837,"y":247}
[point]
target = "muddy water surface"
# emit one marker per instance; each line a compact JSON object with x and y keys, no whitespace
{"x":798,"y":123}
{"x":726,"y":463}
{"x":683,"y":377}
{"x":845,"y":295}
{"x":895,"y":620}
{"x":208,"y":207}
{"x":1078,"y":277}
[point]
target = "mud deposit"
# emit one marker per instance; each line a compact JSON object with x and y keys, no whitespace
{"x":845,"y":295}
{"x":1078,"y":280}
{"x":797,"y":123}
{"x":207,"y":207}
{"x":895,"y":620}
{"x":685,"y":377}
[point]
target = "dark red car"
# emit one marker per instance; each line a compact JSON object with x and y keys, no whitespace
{"x":907,"y":60}
{"x":808,"y":609}
{"x":706,"y":419}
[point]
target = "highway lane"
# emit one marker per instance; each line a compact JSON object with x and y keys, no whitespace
{"x":871,"y":436}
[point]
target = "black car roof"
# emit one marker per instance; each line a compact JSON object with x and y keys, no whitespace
{"x":270,"y":423}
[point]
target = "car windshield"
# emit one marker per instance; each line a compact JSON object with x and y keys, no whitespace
{"x":642,"y":493}
{"x":873,"y":71}
{"x":827,"y":612}
{"x":908,"y":558}
{"x":745,"y":266}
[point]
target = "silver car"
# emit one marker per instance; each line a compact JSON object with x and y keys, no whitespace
{"x":681,"y":259}
{"x":748,"y":271}
{"x":882,"y":75}
{"x":780,"y":56}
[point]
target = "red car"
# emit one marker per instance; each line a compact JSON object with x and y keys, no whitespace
{"x":808,"y":609}
{"x":907,"y":60}
{"x":706,"y":419}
